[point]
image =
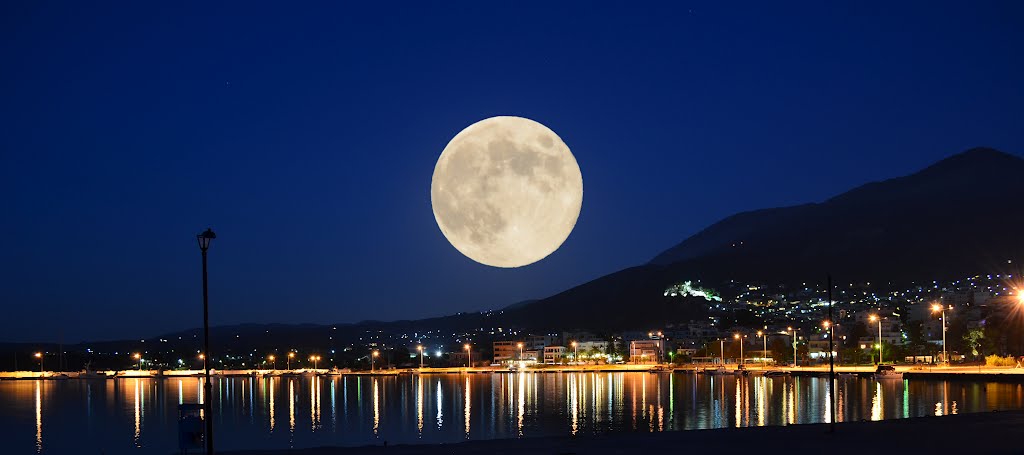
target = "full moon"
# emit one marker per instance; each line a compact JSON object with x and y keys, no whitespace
{"x":506,"y":191}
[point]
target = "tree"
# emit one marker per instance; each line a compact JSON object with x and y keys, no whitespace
{"x":972,"y":340}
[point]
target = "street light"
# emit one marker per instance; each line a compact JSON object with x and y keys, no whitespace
{"x":737,"y":337}
{"x":831,"y":331}
{"x":273,"y":359}
{"x":764,"y":354}
{"x":520,"y":346}
{"x":39,"y":355}
{"x":420,"y":348}
{"x":314,"y":359}
{"x":936,"y":308}
{"x":373,"y":357}
{"x":874,"y":318}
{"x":792,"y":334}
{"x":575,"y":354}
{"x":469,"y":355}
{"x":138,"y":357}
{"x":291,"y":355}
{"x":204,"y":244}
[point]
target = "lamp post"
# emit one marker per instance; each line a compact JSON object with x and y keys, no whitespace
{"x":138,"y":357}
{"x":935,"y":309}
{"x":740,"y":339}
{"x":520,"y":346}
{"x":469,"y":355}
{"x":373,"y":358}
{"x":314,"y":359}
{"x":764,"y":354}
{"x":203,"y":358}
{"x":273,"y":360}
{"x":721,"y":351}
{"x":39,"y":355}
{"x":420,"y":348}
{"x":204,"y":239}
{"x":575,"y":354}
{"x":291,"y":355}
{"x":828,"y":328}
{"x":876,"y":318}
{"x":792,"y":334}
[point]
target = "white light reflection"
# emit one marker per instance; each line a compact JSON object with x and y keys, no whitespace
{"x":271,"y":387}
{"x":138,"y":414}
{"x":573,"y":405}
{"x":440,"y":413}
{"x":419,"y":405}
{"x":376,"y":408}
{"x":291,"y":406}
{"x":39,"y":417}
{"x":468,"y":409}
{"x":522,"y":401}
{"x":876,"y":403}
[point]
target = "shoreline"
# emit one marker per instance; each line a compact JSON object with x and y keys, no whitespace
{"x":909,"y":372}
{"x":976,"y":433}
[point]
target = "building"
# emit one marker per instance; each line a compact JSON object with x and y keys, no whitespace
{"x":554,"y":354}
{"x":506,"y":351}
{"x":539,"y":342}
{"x":646,"y":351}
{"x":461,"y":359}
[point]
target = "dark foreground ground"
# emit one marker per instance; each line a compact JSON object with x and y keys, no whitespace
{"x":982,"y":433}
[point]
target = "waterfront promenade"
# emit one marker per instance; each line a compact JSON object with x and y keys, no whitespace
{"x":909,"y":371}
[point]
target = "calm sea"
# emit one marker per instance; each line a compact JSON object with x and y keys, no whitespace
{"x":119,"y":416}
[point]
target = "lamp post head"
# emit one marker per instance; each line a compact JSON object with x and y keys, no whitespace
{"x":291,"y":355}
{"x":873,"y":318}
{"x":465,"y":346}
{"x":736,"y":336}
{"x":760,"y":333}
{"x":137,"y":356}
{"x":573,"y":344}
{"x":376,"y":353}
{"x":271,"y":358}
{"x":936,"y":308}
{"x":205,"y":238}
{"x":519,"y":345}
{"x":39,"y":355}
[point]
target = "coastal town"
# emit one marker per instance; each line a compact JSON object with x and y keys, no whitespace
{"x":965,"y":323}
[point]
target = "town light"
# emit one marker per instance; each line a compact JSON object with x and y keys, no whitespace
{"x":39,"y":355}
{"x":420,"y":348}
{"x":273,"y":359}
{"x":373,"y":356}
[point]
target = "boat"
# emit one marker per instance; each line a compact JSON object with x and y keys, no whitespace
{"x":775,"y":373}
{"x":715,"y":371}
{"x":887,"y":372}
{"x":741,"y":371}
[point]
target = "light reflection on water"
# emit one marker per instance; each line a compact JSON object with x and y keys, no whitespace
{"x":123,"y":415}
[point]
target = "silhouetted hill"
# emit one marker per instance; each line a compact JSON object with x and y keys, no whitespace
{"x":960,"y":216}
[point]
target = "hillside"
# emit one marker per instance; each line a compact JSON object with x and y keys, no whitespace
{"x":959,"y":216}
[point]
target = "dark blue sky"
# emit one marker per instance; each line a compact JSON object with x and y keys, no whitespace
{"x":306,"y":136}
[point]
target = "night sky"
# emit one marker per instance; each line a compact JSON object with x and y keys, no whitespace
{"x":305,"y":135}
